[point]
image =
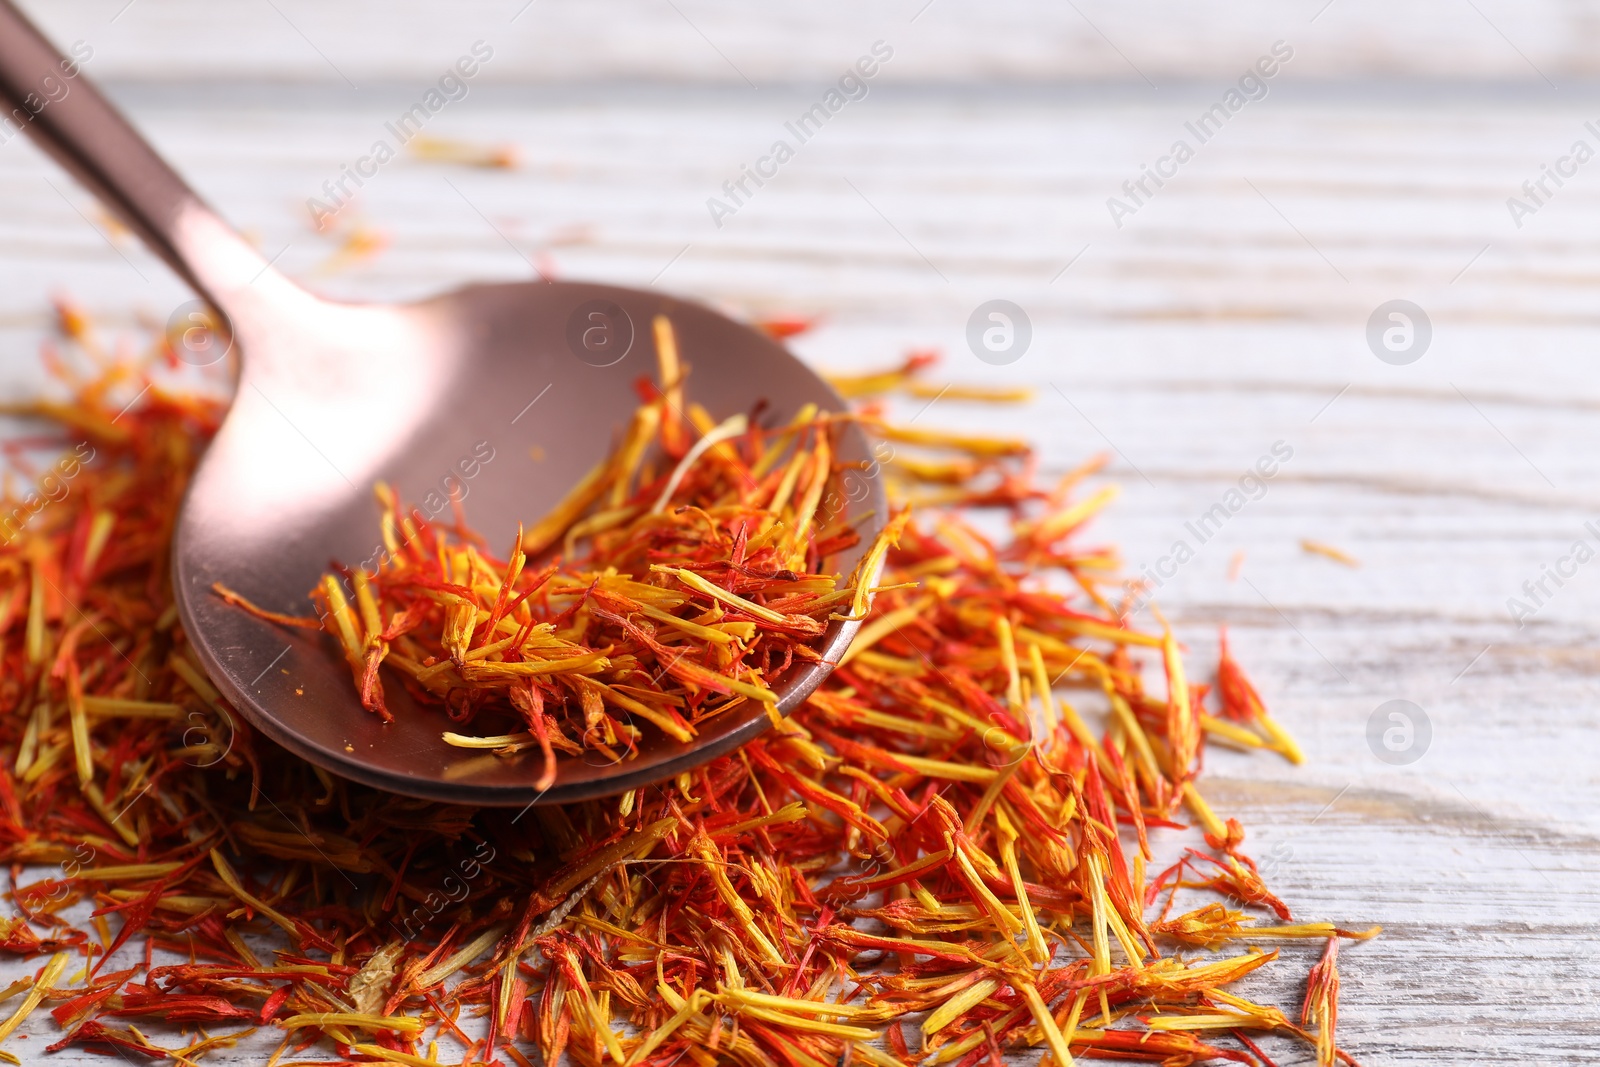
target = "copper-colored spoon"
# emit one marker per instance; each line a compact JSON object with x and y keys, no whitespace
{"x":456,"y":390}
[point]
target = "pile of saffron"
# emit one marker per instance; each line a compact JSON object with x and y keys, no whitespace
{"x":686,"y":581}
{"x":940,"y":858}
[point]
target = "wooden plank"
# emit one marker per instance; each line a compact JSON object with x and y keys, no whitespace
{"x":1151,"y":45}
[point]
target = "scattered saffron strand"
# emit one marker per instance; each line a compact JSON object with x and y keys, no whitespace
{"x":1242,"y":704}
{"x":1318,"y":548}
{"x":462,"y":153}
{"x":1321,"y":1008}
{"x":933,"y":860}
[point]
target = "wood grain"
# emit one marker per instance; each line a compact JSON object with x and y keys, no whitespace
{"x":1226,"y":315}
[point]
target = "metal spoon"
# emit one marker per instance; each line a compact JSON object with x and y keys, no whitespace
{"x":460,"y":392}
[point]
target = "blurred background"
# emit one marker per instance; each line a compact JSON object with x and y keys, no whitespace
{"x":1186,"y":325}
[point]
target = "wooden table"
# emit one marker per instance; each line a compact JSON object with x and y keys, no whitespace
{"x":1228,"y":313}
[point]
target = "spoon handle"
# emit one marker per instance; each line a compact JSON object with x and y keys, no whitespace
{"x":48,"y":95}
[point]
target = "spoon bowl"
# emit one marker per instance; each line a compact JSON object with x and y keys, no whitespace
{"x":500,"y":395}
{"x":514,"y":417}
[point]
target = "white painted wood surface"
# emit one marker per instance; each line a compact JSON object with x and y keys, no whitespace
{"x":1227,"y":314}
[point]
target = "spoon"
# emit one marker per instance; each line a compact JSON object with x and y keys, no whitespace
{"x":459,"y":392}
